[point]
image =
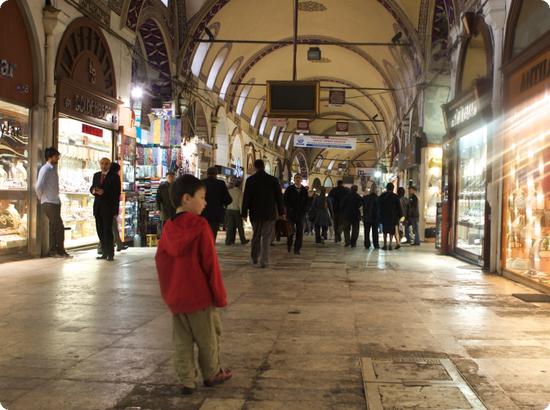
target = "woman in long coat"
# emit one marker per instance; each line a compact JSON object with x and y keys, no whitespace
{"x":321,"y":213}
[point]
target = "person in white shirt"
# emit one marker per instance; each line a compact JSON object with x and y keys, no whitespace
{"x":233,"y":216}
{"x":47,"y":191}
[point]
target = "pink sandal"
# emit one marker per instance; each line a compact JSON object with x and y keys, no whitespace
{"x":219,"y":378}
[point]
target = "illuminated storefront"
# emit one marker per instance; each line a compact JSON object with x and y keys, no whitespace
{"x":526,"y":136}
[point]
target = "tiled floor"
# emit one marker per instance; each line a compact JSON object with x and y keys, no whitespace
{"x":87,"y":334}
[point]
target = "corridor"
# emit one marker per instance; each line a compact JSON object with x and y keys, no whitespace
{"x":86,"y":334}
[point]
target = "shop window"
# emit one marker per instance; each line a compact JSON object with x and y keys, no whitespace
{"x":263,"y":124}
{"x":242,"y":98}
{"x":533,"y":22}
{"x":14,"y":179}
{"x":215,"y":69}
{"x":255,"y":113}
{"x":228,"y":77}
{"x":331,"y":165}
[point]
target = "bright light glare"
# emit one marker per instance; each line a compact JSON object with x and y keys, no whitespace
{"x":377,"y":174}
{"x":137,"y":92}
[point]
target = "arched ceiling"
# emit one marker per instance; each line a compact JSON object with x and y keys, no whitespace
{"x":381,"y":81}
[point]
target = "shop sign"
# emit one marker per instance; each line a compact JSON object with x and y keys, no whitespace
{"x":277,"y":122}
{"x":337,"y":98}
{"x":7,"y":69}
{"x":463,"y":113}
{"x":530,"y":79}
{"x":469,"y":107}
{"x":318,"y":141}
{"x":86,"y":106}
{"x":302,"y":126}
{"x":342,"y":128}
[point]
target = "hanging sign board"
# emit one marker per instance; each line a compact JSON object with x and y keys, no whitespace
{"x":277,"y":122}
{"x":318,"y":141}
{"x":302,"y":126}
{"x":342,"y":128}
{"x":337,"y":98}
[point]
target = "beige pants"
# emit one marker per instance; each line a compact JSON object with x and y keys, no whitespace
{"x":203,"y":328}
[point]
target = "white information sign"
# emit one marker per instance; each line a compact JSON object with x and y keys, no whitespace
{"x":318,"y":141}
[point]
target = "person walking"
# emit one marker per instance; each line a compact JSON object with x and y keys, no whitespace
{"x":404,"y":202}
{"x":262,"y":200}
{"x":337,"y":195}
{"x":413,"y":214}
{"x":47,"y":191}
{"x":351,"y":213}
{"x":370,"y":218}
{"x":120,"y":245}
{"x":106,"y":190}
{"x":296,"y":199}
{"x":321,"y":212}
{"x":389,"y":213}
{"x":233,"y":216}
{"x":217,"y":198}
{"x":164,"y":200}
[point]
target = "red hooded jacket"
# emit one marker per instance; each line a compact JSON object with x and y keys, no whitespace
{"x":187,"y":265}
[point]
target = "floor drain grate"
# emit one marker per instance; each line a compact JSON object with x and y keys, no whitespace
{"x":532,"y":297}
{"x":413,"y":383}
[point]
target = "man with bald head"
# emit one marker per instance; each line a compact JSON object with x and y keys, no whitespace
{"x":106,"y":189}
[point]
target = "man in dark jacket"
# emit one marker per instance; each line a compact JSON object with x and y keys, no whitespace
{"x":296,"y":200}
{"x":337,"y":195}
{"x":370,"y":218}
{"x":351,"y":213}
{"x":389,"y":214}
{"x":217,"y":198}
{"x":262,"y":200}
{"x":164,"y":200}
{"x":106,"y":189}
{"x":413,"y":214}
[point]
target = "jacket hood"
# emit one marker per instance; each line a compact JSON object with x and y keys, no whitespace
{"x":180,"y":232}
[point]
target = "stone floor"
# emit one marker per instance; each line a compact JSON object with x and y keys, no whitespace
{"x":86,"y":334}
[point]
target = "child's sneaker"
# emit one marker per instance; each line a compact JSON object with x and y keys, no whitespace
{"x":222,"y":376}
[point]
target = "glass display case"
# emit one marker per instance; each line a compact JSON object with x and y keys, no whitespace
{"x":81,"y":147}
{"x":471,"y":192}
{"x":14,"y":178}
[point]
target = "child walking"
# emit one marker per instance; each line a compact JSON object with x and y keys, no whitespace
{"x":192,"y":286}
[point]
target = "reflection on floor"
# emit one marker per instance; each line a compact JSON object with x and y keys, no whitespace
{"x":87,"y":334}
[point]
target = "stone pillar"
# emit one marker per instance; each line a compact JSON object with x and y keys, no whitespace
{"x":495,"y":12}
{"x":51,"y":22}
{"x":214,"y":125}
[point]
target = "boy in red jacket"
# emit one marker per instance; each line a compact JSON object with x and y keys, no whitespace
{"x":192,"y":286}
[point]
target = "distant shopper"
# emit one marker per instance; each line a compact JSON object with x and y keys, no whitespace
{"x":404,"y":202}
{"x":47,"y":191}
{"x":233,"y":217}
{"x":337,"y":195}
{"x":106,"y":190}
{"x":389,"y":213}
{"x":192,"y":287}
{"x":263,"y":200}
{"x":321,"y":214}
{"x":164,"y":201}
{"x":370,"y":218}
{"x":120,"y":245}
{"x":351,"y":213}
{"x":413,"y":214}
{"x":296,"y":200}
{"x":217,"y":198}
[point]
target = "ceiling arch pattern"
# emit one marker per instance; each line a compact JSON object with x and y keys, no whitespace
{"x":158,"y":54}
{"x":213,"y":7}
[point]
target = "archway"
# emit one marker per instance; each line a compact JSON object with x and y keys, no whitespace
{"x":316,"y":183}
{"x":299,"y":166}
{"x":222,"y":139}
{"x":329,"y":183}
{"x":268,"y":168}
{"x":236,"y":161}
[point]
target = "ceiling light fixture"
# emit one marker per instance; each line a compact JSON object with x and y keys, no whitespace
{"x":397,"y":38}
{"x":314,"y":54}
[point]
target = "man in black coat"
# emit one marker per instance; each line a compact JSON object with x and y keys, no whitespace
{"x":164,"y":200}
{"x":217,"y":198}
{"x":351,"y":214}
{"x":389,"y":213}
{"x":296,"y":199}
{"x":413,"y":214}
{"x":106,"y":189}
{"x":263,"y":200}
{"x":370,"y":218}
{"x":337,"y":195}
